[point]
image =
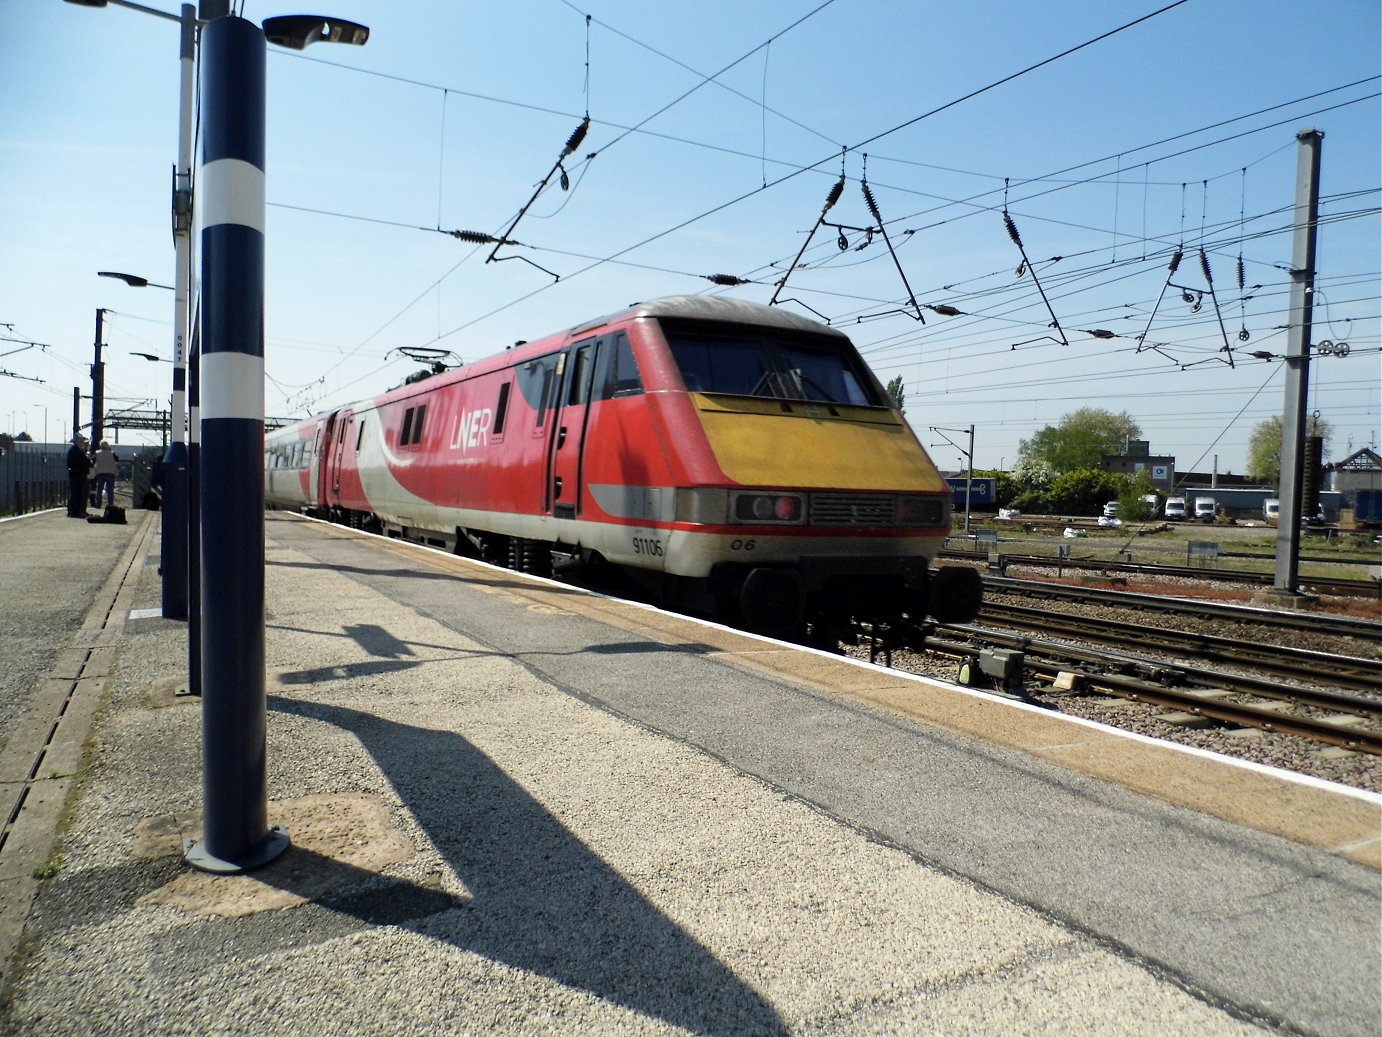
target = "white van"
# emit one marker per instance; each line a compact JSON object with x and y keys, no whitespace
{"x":1271,"y":511}
{"x":1205,"y":509}
{"x":1175,"y":508}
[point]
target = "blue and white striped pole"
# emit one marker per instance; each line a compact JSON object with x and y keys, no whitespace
{"x":230,"y":192}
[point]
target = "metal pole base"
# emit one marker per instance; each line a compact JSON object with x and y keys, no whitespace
{"x":275,"y":843}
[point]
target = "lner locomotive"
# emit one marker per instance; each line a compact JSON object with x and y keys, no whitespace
{"x":732,"y":457}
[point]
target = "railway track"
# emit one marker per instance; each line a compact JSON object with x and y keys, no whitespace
{"x":1319,"y":623}
{"x":1351,"y":721}
{"x":1292,"y":663}
{"x":1338,"y":586}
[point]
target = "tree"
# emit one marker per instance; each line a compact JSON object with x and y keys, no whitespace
{"x":1081,"y":440}
{"x":895,"y":391}
{"x":1084,"y":491}
{"x":1031,"y":480}
{"x":1264,"y":447}
{"x":1132,"y":503}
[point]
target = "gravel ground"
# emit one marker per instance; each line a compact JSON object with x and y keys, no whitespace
{"x":1360,"y":770}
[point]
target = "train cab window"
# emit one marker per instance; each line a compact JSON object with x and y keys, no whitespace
{"x":360,"y":436}
{"x":501,"y":410}
{"x":616,"y":371}
{"x":752,"y":361}
{"x":404,"y":436}
{"x":417,"y":423}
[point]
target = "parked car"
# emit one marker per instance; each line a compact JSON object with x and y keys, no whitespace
{"x":1111,"y":509}
{"x":1175,"y":508}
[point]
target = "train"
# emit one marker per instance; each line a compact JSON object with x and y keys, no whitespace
{"x":731,"y":458}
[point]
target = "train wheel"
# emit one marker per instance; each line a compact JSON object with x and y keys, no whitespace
{"x":955,"y":594}
{"x":530,"y":556}
{"x":773,"y":601}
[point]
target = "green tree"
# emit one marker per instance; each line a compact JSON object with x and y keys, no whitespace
{"x":896,"y":392}
{"x":1084,"y":491}
{"x":1081,"y":440}
{"x":1131,"y":506}
{"x":1264,"y":447}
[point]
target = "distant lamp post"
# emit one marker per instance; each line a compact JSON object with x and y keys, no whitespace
{"x":173,"y":552}
{"x":174,"y":560}
{"x":45,"y":421}
{"x":133,"y":280}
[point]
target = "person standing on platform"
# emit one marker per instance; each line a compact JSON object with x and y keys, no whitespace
{"x":105,"y":473}
{"x":78,"y":467}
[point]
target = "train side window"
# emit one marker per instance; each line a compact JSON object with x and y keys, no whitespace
{"x":501,"y":409}
{"x":537,"y":380}
{"x":617,"y":372}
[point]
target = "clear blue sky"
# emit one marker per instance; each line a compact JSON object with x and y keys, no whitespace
{"x":1114,"y":155}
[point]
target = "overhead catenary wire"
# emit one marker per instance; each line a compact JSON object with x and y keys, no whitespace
{"x":737,"y":277}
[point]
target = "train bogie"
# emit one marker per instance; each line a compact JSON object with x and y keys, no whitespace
{"x":719,"y":451}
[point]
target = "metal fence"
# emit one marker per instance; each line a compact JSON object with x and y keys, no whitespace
{"x":33,"y":476}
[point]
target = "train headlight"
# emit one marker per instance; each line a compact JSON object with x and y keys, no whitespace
{"x":788,"y":509}
{"x":769,"y":507}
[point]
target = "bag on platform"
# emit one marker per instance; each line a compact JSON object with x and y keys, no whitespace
{"x":112,"y":514}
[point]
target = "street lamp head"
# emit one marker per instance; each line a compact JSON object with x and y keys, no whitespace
{"x":296,"y":31}
{"x":150,"y":356}
{"x":132,"y":280}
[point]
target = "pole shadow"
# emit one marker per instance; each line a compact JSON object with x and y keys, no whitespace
{"x":540,"y":900}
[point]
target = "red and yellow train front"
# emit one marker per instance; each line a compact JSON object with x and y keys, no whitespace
{"x":797,"y":487}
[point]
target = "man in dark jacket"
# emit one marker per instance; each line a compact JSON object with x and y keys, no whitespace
{"x":78,"y":467}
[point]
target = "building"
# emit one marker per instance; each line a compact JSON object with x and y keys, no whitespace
{"x":1137,"y":457}
{"x":1361,"y":470}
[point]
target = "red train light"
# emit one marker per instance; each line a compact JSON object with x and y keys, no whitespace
{"x":768,"y":507}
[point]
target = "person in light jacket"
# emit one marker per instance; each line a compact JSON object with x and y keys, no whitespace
{"x":104,"y":464}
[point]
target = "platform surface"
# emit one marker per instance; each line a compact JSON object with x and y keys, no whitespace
{"x":518,"y":808}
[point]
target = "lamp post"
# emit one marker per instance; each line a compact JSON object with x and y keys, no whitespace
{"x":98,"y":381}
{"x":45,"y":421}
{"x":173,"y":556}
{"x":163,"y":425}
{"x":173,"y":553}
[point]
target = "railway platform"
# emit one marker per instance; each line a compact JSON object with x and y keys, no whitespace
{"x":519,"y":808}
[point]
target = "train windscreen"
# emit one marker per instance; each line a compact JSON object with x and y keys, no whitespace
{"x":744,"y":360}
